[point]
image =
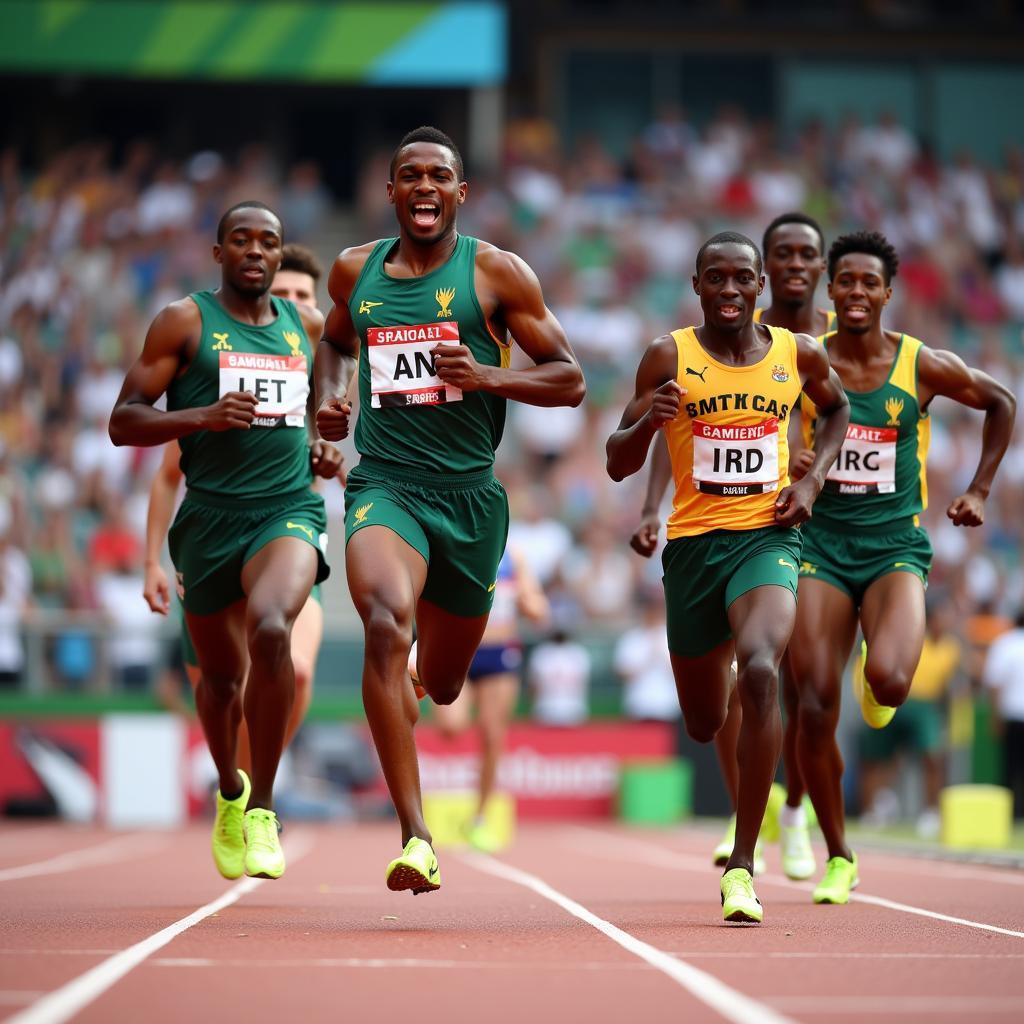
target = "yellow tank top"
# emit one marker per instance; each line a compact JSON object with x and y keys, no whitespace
{"x":728,"y":446}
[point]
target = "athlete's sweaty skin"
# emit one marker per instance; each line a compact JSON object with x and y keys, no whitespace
{"x":386,"y":574}
{"x":892,"y":613}
{"x":277,"y":580}
{"x":728,"y":282}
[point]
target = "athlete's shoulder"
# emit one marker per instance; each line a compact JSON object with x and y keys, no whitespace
{"x":183,"y":316}
{"x":495,"y":261}
{"x":347,"y":267}
{"x":811,"y":354}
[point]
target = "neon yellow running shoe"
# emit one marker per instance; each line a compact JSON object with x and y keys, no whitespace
{"x":723,"y":851}
{"x":878,"y":716}
{"x":416,"y":869}
{"x":480,"y":837}
{"x":739,"y":901}
{"x":797,"y":856}
{"x":264,"y":857}
{"x":228,"y":839}
{"x":840,"y":879}
{"x":770,"y":826}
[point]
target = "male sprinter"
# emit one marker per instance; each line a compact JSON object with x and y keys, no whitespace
{"x":723,"y":392}
{"x":247,"y":541}
{"x":428,"y":314}
{"x":296,"y":280}
{"x":865,"y":557}
{"x":794,"y":260}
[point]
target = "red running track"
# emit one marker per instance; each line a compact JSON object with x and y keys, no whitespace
{"x":570,"y":924}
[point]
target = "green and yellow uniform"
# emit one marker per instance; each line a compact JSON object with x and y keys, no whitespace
{"x":730,"y":458}
{"x":866,"y":519}
{"x":245,"y":488}
{"x":427,"y":449}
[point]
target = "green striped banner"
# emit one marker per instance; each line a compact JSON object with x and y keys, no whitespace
{"x":433,"y":42}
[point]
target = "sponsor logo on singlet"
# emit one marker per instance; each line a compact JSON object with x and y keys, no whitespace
{"x":402,"y":371}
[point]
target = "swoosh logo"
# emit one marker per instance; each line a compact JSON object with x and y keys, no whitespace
{"x":788,"y":565}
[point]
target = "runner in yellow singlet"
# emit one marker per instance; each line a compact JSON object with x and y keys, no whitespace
{"x":794,"y":260}
{"x":723,"y":393}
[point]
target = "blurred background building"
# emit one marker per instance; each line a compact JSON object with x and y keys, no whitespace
{"x":604,"y":141}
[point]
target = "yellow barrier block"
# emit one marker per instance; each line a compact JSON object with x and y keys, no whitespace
{"x":976,"y":816}
{"x":449,"y":816}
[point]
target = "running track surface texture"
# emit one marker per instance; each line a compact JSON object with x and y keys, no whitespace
{"x":571,"y":923}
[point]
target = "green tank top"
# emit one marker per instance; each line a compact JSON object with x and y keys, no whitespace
{"x":879,"y":476}
{"x":275,"y":363}
{"x":407,"y":415}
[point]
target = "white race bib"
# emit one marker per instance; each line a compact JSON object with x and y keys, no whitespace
{"x":866,"y":462}
{"x":736,"y":459}
{"x":280,"y":384}
{"x":401,"y":369}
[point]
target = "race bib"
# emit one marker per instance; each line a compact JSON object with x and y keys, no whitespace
{"x":401,"y":369}
{"x":736,"y":460}
{"x":280,"y":384}
{"x":866,"y":462}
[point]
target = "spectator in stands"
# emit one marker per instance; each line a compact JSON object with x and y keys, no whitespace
{"x":1004,"y":676}
{"x":559,"y":680}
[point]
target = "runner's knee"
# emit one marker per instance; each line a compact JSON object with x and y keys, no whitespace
{"x":758,"y":685}
{"x":889,"y":683}
{"x":818,"y":715}
{"x":388,"y":633}
{"x":703,"y":727}
{"x":269,"y":636}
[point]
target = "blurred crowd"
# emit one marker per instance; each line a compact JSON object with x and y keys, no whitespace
{"x":95,"y":241}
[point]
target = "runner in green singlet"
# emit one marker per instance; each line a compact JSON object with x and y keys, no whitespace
{"x":866,"y":558}
{"x":430,"y":316}
{"x":794,"y":260}
{"x":296,"y":280}
{"x":248,"y":541}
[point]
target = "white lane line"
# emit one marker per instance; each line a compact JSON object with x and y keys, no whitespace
{"x":728,"y":1002}
{"x":766,"y":955}
{"x":63,"y":1003}
{"x":120,"y":848}
{"x":893,"y":1005}
{"x":654,"y":854}
{"x":57,"y":952}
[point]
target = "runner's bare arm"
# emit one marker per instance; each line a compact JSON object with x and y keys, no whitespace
{"x":822,"y":385}
{"x":944,"y":373}
{"x":645,"y":537}
{"x":654,"y":403}
{"x":162,"y":492}
{"x":134,"y":421}
{"x":326,"y":460}
{"x":337,"y":356}
{"x":555,"y":378}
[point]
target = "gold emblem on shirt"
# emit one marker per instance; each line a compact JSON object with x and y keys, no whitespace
{"x":361,"y":512}
{"x":893,"y":406}
{"x":294,"y":342}
{"x":444,"y":298}
{"x":222,"y":342}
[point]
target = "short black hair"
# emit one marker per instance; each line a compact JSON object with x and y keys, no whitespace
{"x":794,"y":217}
{"x":301,"y":260}
{"x":729,"y":238}
{"x":248,"y":204}
{"x":872,"y":243}
{"x":425,"y":133}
